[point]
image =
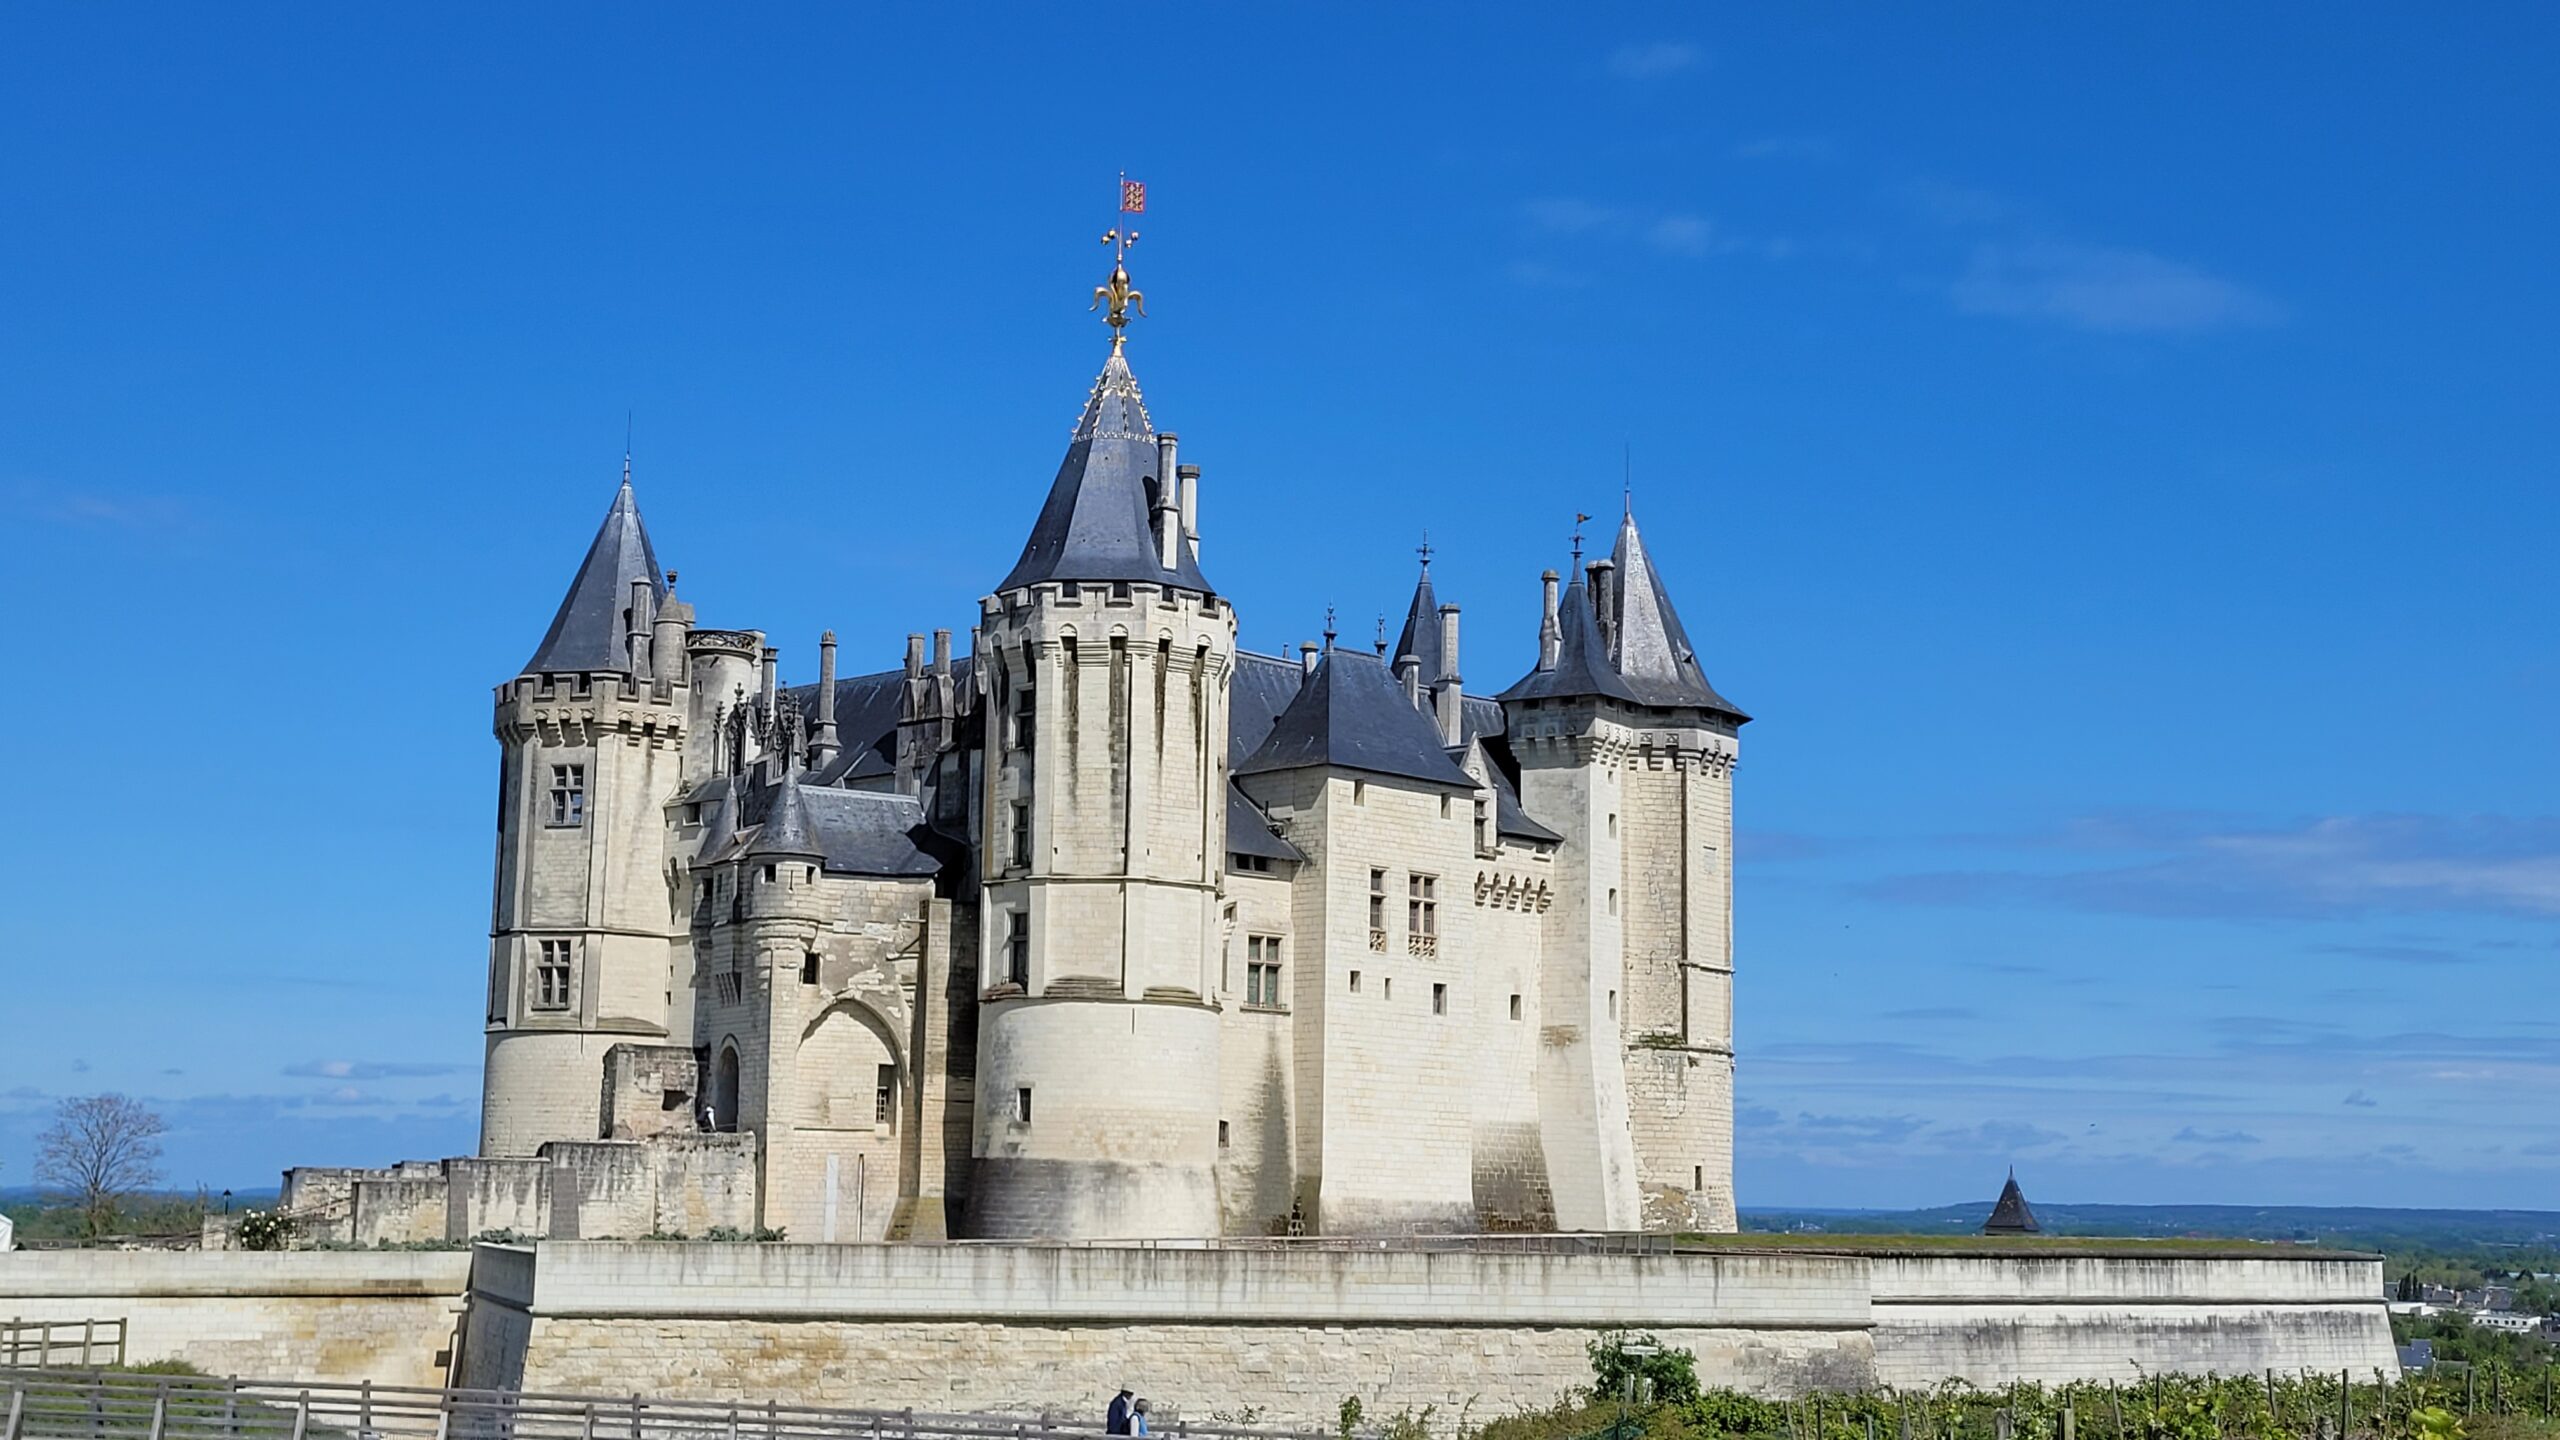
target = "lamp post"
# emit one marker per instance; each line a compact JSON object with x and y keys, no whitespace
{"x":226,"y":1202}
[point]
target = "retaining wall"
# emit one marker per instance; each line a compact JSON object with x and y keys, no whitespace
{"x":308,"y":1315}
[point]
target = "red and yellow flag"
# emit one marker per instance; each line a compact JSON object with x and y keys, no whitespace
{"x":1133,"y":197}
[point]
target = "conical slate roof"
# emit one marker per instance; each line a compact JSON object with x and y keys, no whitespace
{"x":590,"y":631}
{"x":786,"y":830}
{"x":1352,"y":715}
{"x":1582,"y":660}
{"x":1421,"y":637}
{"x":2011,"y":1216}
{"x":1648,"y":645}
{"x":1096,"y":524}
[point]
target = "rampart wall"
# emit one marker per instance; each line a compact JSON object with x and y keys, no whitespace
{"x":332,"y":1316}
{"x":1284,"y":1332}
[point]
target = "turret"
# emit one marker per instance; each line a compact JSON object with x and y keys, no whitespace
{"x":591,"y":733}
{"x":1626,"y":749}
{"x":1103,"y":847}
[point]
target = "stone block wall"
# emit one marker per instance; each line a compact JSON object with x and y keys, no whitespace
{"x":651,"y":1090}
{"x":330,"y":1316}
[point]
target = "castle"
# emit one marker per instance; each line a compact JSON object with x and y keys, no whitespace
{"x":1108,"y":929}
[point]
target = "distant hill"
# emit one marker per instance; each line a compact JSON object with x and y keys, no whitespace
{"x":2352,"y":1226}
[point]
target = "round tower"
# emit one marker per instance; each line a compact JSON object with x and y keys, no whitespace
{"x":591,"y":740}
{"x":1104,"y":658}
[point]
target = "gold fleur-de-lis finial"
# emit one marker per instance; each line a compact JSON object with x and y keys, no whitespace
{"x":1117,"y":292}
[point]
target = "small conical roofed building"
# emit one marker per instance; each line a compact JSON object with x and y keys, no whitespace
{"x":786,"y":830}
{"x":1582,"y":667}
{"x":592,"y":629}
{"x":2011,"y":1215}
{"x":1646,"y":641}
{"x":1100,"y":522}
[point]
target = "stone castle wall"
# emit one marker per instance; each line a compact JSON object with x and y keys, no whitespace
{"x":1289,"y":1332}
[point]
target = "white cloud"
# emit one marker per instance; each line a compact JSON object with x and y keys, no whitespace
{"x":2096,"y":287}
{"x":1654,"y":61}
{"x":1681,"y":235}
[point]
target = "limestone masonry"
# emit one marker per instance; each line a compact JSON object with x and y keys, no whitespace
{"x":1103,"y":928}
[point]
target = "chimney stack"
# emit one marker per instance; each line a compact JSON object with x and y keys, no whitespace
{"x":1409,"y":675}
{"x":915,"y":655}
{"x":822,"y":744}
{"x":1307,"y":656}
{"x":1604,"y":602}
{"x":639,"y":618}
{"x":941,"y":652}
{"x":1189,"y":477}
{"x":1445,"y":692}
{"x":772,"y":684}
{"x":1550,"y":633}
{"x":1167,"y":518}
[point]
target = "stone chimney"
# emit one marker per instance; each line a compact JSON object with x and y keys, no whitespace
{"x":1168,"y":515}
{"x":915,"y":655}
{"x":772,"y":682}
{"x":1188,"y":476}
{"x":822,"y":743}
{"x":641,"y":616}
{"x":941,"y":652}
{"x":1409,"y":675}
{"x":1307,"y":656}
{"x":1550,"y":628}
{"x":1445,"y":693}
{"x":1604,"y":600}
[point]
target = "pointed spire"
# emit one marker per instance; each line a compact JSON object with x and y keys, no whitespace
{"x":1098,"y":522}
{"x":1420,"y":637}
{"x":1647,"y":643}
{"x":2011,"y":1216}
{"x":590,"y":631}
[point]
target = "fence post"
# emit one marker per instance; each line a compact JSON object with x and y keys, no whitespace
{"x":2470,"y":1387}
{"x":589,"y":1430}
{"x":160,"y":1411}
{"x":301,"y":1415}
{"x":2002,"y":1427}
{"x":1902,"y":1414}
{"x":733,"y":1420}
{"x":1871,"y":1426}
{"x":88,"y":1329}
{"x":2070,"y":1422}
{"x":231,"y":1407}
{"x":364,"y":1409}
{"x":2115,"y":1407}
{"x":2271,"y":1395}
{"x":2346,"y":1404}
{"x":635,"y":1417}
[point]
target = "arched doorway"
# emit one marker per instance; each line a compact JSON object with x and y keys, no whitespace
{"x":724,"y":1088}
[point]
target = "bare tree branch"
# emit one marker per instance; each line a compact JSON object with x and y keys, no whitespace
{"x":100,"y":1151}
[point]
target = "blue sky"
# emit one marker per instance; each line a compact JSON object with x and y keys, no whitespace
{"x":2111,"y":452}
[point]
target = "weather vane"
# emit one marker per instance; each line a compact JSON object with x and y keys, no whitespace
{"x":1117,"y":291}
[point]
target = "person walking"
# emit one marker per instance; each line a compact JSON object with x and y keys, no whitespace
{"x":1117,"y":1421}
{"x":1138,"y":1417}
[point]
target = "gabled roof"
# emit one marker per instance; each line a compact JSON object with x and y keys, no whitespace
{"x":1095,"y":525}
{"x":2011,"y":1215}
{"x":1421,"y":636}
{"x":1582,"y":661}
{"x":1352,"y":715}
{"x":1248,"y":833}
{"x":1647,"y":644}
{"x":589,"y":632}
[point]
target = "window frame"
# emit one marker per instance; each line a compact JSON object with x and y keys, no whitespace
{"x":568,"y":807}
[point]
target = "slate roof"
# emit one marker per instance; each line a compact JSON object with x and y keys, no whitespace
{"x":849,"y":832}
{"x":1582,"y":661}
{"x":588,"y":633}
{"x":1095,"y":525}
{"x":1248,"y":833}
{"x":1647,"y":644}
{"x":1421,"y":635}
{"x":2011,"y":1215}
{"x":1352,"y":714}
